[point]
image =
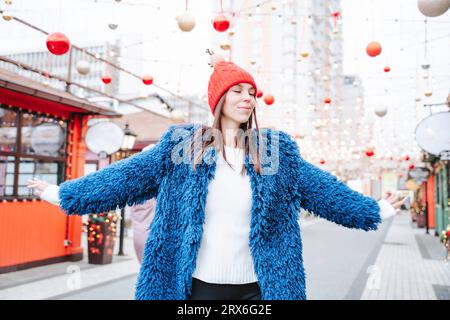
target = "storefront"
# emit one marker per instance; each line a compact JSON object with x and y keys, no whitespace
{"x":41,"y":135}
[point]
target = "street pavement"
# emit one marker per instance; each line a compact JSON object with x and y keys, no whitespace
{"x":398,"y":261}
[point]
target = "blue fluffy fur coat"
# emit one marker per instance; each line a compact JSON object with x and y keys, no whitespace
{"x":277,"y":196}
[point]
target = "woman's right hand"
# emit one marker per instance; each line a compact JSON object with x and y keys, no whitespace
{"x":38,"y":186}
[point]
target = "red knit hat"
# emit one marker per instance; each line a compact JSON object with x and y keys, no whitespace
{"x":225,"y":75}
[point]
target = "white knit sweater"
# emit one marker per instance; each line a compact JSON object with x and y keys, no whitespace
{"x":224,"y":255}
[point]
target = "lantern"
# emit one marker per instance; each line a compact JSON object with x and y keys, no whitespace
{"x":433,"y":8}
{"x":147,"y":80}
{"x":373,"y":49}
{"x":83,"y":67}
{"x":106,"y":79}
{"x":387,"y":69}
{"x":269,"y":99}
{"x":58,"y":43}
{"x":221,"y":23}
{"x":186,"y":22}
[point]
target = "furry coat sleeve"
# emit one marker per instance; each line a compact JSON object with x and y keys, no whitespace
{"x":322,"y":194}
{"x":126,"y":182}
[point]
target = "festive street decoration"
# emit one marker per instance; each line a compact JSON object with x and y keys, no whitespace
{"x":7,"y":16}
{"x":106,"y":79}
{"x":411,"y":166}
{"x":387,"y":69}
{"x":433,"y":8}
{"x":58,"y":43}
{"x":113,"y":26}
{"x":186,"y":22}
{"x":304,"y":54}
{"x":428,"y":93}
{"x":381,"y":111}
{"x":221,"y":23}
{"x":370,"y":152}
{"x":147,"y":80}
{"x":373,"y":49}
{"x":225,"y":45}
{"x":259,"y":94}
{"x":83,"y":67}
{"x":327,"y":100}
{"x":269,"y":99}
{"x":322,"y":161}
{"x":101,"y":231}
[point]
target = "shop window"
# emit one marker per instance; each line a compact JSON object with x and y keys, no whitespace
{"x":32,"y":146}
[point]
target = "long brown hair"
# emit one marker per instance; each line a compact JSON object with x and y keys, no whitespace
{"x":247,"y":142}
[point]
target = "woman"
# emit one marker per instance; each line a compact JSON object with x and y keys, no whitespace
{"x":228,"y":202}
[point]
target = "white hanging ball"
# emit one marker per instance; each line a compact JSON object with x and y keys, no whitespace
{"x":381,"y":111}
{"x":433,"y":8}
{"x":186,"y":22}
{"x":83,"y":67}
{"x":215,"y":58}
{"x":113,"y":26}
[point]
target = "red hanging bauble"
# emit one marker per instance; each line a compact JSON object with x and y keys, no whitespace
{"x":411,"y":166}
{"x":58,"y":43}
{"x":387,"y":69}
{"x":373,"y":49}
{"x":322,"y":161}
{"x":106,"y":79}
{"x":269,"y":99}
{"x":148,"y":80}
{"x":259,"y":94}
{"x":327,"y":100}
{"x":370,"y":152}
{"x":407,"y":157}
{"x":221,"y":23}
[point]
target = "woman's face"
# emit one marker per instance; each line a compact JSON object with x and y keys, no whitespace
{"x":240,"y":100}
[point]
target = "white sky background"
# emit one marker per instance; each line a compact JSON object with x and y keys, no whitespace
{"x":182,"y":61}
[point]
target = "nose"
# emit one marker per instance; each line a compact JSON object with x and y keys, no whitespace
{"x":246,"y":99}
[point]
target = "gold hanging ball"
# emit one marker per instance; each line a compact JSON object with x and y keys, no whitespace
{"x":304,"y":54}
{"x":231,"y":32}
{"x":225,"y":45}
{"x":6,"y":16}
{"x":252,"y":61}
{"x":8,"y":2}
{"x":428,"y":93}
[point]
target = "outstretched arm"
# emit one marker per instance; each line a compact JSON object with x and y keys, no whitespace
{"x":322,"y":194}
{"x":125,"y":182}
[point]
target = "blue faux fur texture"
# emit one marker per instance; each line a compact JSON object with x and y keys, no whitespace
{"x":287,"y":183}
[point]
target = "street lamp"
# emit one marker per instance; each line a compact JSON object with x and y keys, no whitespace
{"x":127,"y":144}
